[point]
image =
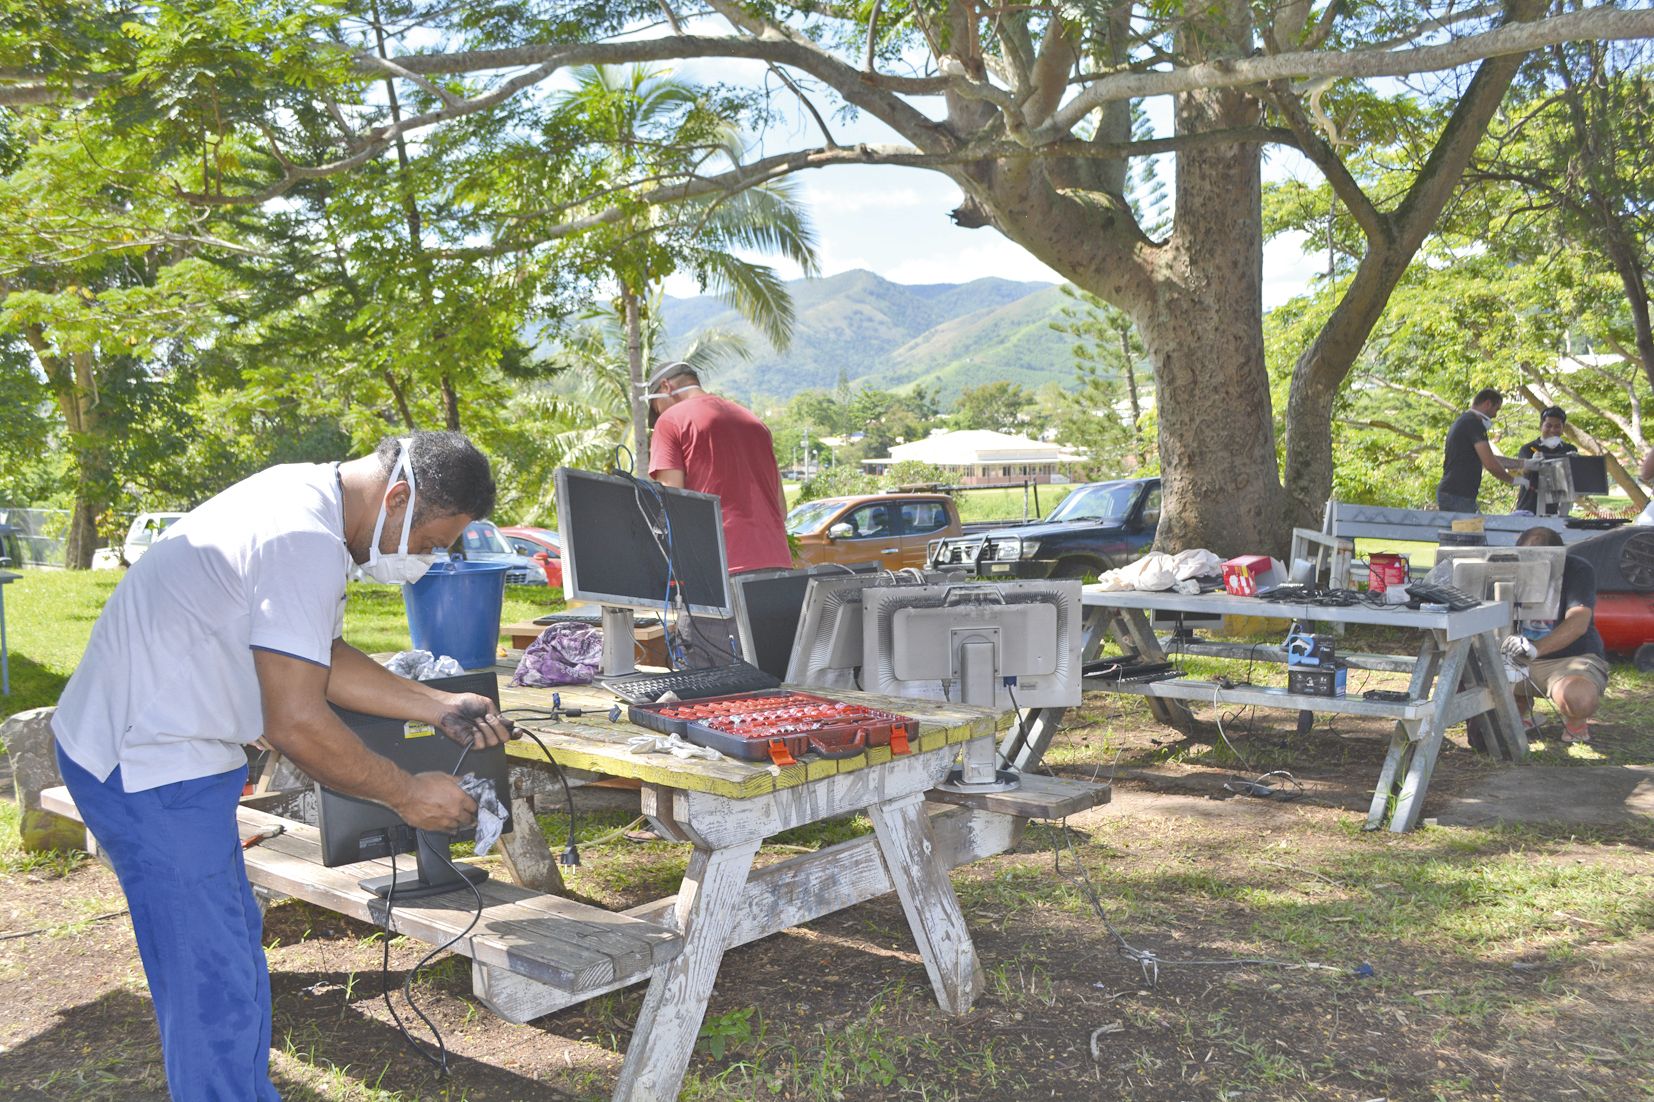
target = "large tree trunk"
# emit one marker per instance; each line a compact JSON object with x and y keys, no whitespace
{"x":1204,"y":334}
{"x":74,"y":383}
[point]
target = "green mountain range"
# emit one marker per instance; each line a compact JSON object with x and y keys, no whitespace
{"x":893,"y":335}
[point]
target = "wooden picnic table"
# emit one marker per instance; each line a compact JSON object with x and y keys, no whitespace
{"x":1457,"y":677}
{"x":534,"y":953}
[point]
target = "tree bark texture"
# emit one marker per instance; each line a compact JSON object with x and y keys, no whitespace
{"x":73,"y":379}
{"x":1203,"y":329}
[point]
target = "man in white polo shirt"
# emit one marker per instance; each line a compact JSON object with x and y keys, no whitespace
{"x":228,"y":629}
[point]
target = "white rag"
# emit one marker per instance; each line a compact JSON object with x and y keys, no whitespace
{"x":673,"y":744}
{"x":490,"y":814}
{"x":1158,"y":571}
{"x":422,"y":665}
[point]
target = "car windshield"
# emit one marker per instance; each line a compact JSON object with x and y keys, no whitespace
{"x":1106,"y":503}
{"x":151,"y":529}
{"x":485,"y":539}
{"x":810,"y":516}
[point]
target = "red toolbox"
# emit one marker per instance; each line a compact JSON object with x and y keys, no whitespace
{"x":779,"y":725}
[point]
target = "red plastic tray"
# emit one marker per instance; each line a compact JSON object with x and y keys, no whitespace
{"x":779,"y":725}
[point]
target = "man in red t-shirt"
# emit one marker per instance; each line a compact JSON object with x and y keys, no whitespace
{"x":706,"y":443}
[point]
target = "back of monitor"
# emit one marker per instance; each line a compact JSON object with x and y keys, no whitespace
{"x":911,"y":639}
{"x":1534,"y":572}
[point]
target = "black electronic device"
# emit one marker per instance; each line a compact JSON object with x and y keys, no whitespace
{"x":1326,"y":680}
{"x":354,"y":829}
{"x":768,"y":606}
{"x":1430,"y":593}
{"x":1388,"y":696}
{"x":646,"y":688}
{"x":1589,"y":474}
{"x":594,"y":618}
{"x":616,"y":533}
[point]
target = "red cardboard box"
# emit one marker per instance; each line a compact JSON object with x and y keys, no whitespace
{"x":1244,"y":575}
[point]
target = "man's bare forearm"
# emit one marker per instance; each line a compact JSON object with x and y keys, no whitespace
{"x":329,"y":752}
{"x":359,"y":683}
{"x":1568,"y":630}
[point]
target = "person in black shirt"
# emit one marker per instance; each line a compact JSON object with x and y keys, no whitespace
{"x":1566,"y":659}
{"x":1468,"y":454}
{"x":1549,"y":445}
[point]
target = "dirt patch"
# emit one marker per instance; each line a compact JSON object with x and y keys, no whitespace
{"x":1477,"y":962}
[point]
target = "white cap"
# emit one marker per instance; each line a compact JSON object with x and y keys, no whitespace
{"x":669,"y":371}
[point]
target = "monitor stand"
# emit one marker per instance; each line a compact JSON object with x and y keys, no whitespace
{"x":434,"y":873}
{"x":619,"y":641}
{"x":978,"y":671}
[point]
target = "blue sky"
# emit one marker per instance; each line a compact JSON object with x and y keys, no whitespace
{"x":894,"y":221}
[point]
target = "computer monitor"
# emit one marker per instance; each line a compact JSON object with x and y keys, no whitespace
{"x":614,"y":531}
{"x":1011,"y":644}
{"x":1590,"y":474}
{"x":768,"y":605}
{"x":1534,"y":574}
{"x":354,"y":829}
{"x":826,"y":650}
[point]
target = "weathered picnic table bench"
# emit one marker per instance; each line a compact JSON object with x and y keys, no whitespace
{"x":534,"y":953}
{"x":1457,"y":677}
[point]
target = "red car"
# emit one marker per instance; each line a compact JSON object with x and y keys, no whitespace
{"x":540,"y":544}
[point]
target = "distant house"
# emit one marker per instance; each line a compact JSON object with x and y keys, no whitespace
{"x":981,"y":456}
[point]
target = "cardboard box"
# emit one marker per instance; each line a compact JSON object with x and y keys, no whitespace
{"x":1244,"y":575}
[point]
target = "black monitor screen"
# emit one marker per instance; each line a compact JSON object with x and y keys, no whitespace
{"x":1590,"y":473}
{"x":359,"y":830}
{"x":769,"y":608}
{"x":613,"y":534}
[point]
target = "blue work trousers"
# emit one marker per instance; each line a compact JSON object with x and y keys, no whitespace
{"x":177,"y":853}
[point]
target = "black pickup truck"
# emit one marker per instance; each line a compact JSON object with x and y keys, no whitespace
{"x":1097,"y":527}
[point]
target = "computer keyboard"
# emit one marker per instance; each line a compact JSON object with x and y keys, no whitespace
{"x":593,"y":618}
{"x":1432,"y":593}
{"x":646,"y":688}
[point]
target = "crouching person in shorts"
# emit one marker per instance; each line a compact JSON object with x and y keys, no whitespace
{"x":1565,"y":656}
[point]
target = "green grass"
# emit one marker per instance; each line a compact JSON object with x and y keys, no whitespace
{"x":50,"y":613}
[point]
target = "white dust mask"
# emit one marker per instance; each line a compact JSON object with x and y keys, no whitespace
{"x":401,"y":567}
{"x":1550,"y":441}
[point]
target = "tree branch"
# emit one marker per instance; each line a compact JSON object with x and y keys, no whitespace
{"x":1601,"y":23}
{"x":1373,"y":224}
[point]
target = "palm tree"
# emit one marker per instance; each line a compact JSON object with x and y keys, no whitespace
{"x":656,"y":127}
{"x":582,"y":416}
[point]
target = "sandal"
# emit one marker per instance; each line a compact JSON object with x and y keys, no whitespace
{"x":1580,"y":734}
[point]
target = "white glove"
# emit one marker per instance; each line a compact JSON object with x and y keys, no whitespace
{"x":1519,"y":648}
{"x":1520,"y":482}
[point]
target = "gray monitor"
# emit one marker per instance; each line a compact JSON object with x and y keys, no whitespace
{"x":826,"y":650}
{"x":616,"y":532}
{"x":1011,"y":644}
{"x":1533,"y":573}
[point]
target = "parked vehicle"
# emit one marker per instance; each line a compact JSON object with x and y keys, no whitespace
{"x":11,"y":548}
{"x":146,"y":529}
{"x":540,"y":544}
{"x":890,"y":529}
{"x":1097,"y":527}
{"x":483,"y":542}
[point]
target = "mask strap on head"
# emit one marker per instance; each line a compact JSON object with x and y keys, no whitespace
{"x":404,"y":460}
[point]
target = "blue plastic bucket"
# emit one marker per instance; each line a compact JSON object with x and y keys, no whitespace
{"x":455,"y":610}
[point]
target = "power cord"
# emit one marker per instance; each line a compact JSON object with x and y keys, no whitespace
{"x":555,"y":714}
{"x":1147,"y":959}
{"x":1259,"y":785}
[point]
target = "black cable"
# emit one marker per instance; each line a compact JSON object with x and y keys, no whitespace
{"x":571,"y":854}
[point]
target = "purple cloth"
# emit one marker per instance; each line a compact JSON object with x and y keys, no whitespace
{"x":565,"y":654}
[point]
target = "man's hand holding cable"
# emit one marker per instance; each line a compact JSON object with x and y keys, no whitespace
{"x":471,"y":719}
{"x":435,"y":801}
{"x":1519,"y":648}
